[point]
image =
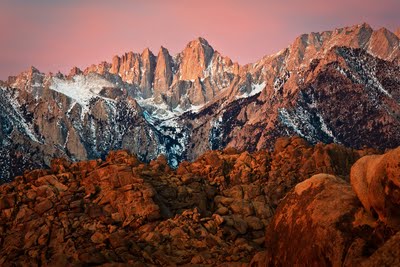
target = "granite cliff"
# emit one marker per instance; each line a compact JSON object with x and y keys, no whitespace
{"x":339,"y":86}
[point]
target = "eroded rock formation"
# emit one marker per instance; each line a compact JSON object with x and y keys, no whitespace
{"x":337,"y":86}
{"x":212,"y":211}
{"x":325,"y":221}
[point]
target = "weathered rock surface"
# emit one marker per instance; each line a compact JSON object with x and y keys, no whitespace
{"x":163,"y":74}
{"x":294,"y":160}
{"x":397,"y":32}
{"x":197,"y":100}
{"x":323,"y":222}
{"x":376,"y":181}
{"x":213,"y":211}
{"x":319,"y":223}
{"x":387,"y":255}
{"x":69,"y":215}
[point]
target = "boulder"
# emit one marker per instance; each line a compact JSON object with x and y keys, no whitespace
{"x":376,"y":181}
{"x":319,"y":223}
{"x":386,"y":255}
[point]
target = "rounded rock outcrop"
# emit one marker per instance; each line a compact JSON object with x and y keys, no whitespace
{"x":376,"y":181}
{"x":319,"y":223}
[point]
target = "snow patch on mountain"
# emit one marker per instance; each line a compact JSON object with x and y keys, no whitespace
{"x":161,"y":111}
{"x":173,"y":138}
{"x":255,"y":89}
{"x":280,"y":81}
{"x":216,"y":133}
{"x":81,"y":88}
{"x":366,"y":70}
{"x":288,"y":120}
{"x":172,"y":135}
{"x":22,"y":124}
{"x":157,"y":110}
{"x":308,"y":124}
{"x":326,"y":129}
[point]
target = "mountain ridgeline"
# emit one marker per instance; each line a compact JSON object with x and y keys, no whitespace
{"x":340,"y":86}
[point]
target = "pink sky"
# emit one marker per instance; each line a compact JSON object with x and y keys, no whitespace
{"x":56,"y":35}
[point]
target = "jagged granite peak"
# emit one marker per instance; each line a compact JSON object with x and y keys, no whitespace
{"x":101,"y":68}
{"x":147,"y":68}
{"x":127,"y":67}
{"x":195,"y":59}
{"x":115,"y":64}
{"x":27,"y":80}
{"x":384,"y":44}
{"x":313,"y":45}
{"x":163,"y":73}
{"x":137,"y":70}
{"x":336,"y":86}
{"x":397,"y":32}
{"x":282,"y":69}
{"x":32,"y":70}
{"x":74,"y":71}
{"x":355,"y":36}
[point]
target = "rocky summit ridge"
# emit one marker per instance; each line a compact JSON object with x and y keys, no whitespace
{"x":339,"y":86}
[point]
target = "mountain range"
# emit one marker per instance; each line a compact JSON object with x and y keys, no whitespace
{"x":340,"y":86}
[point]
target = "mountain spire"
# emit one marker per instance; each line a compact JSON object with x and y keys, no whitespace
{"x":163,"y":73}
{"x":195,"y":59}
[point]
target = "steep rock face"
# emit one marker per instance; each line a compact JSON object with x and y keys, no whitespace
{"x":368,"y":89}
{"x":127,"y":67}
{"x":101,"y":68}
{"x":291,"y":108}
{"x":74,"y":71}
{"x":173,"y":81}
{"x":309,"y":108}
{"x":338,"y":86}
{"x":68,"y":121}
{"x":195,"y":59}
{"x":136,"y":69}
{"x":163,"y":74}
{"x":397,"y":32}
{"x":383,"y":43}
{"x":147,"y":73}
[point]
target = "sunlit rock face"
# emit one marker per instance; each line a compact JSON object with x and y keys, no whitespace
{"x":327,"y":221}
{"x":339,"y":86}
{"x":120,"y":210}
